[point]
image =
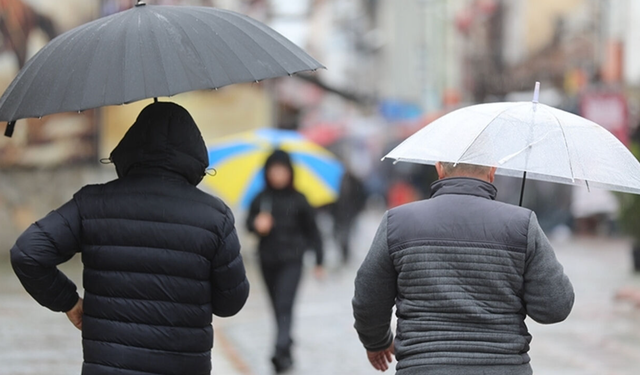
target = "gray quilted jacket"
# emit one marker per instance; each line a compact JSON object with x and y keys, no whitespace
{"x":463,"y":272}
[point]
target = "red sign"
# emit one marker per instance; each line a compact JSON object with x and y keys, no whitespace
{"x":608,"y":110}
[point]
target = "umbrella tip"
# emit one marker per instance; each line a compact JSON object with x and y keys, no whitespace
{"x":536,"y":92}
{"x":8,"y":132}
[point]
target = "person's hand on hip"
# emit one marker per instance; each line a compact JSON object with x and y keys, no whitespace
{"x":75,"y":314}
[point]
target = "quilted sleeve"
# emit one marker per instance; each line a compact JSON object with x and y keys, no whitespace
{"x":375,"y":294}
{"x":548,"y":293}
{"x":40,"y":249}
{"x":229,"y":284}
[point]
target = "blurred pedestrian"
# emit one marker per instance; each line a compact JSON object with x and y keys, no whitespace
{"x":160,"y":256}
{"x":287,"y":227}
{"x":463,"y":271}
{"x":351,"y":201}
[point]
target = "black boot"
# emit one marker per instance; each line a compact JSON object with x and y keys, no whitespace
{"x":282,"y":360}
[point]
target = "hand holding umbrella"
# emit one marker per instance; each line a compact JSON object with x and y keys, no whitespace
{"x":263,"y":223}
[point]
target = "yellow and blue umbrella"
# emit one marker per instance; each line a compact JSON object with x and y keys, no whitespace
{"x":239,"y":164}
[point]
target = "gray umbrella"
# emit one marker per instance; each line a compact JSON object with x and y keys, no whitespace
{"x":145,"y":52}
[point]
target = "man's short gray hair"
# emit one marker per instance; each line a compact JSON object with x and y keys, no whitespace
{"x":462,"y":169}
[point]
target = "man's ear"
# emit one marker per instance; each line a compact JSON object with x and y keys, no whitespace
{"x":440,"y":170}
{"x":492,"y":174}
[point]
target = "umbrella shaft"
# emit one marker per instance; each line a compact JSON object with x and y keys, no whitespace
{"x":524,"y":179}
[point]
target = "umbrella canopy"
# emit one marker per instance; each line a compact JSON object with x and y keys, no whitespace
{"x":546,"y":143}
{"x":148,"y":51}
{"x":239,"y":161}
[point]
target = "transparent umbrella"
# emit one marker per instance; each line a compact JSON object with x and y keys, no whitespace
{"x":526,"y":139}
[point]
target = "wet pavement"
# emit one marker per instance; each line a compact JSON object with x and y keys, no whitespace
{"x":600,"y":337}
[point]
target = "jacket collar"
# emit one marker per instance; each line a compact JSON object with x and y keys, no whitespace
{"x":464,"y":186}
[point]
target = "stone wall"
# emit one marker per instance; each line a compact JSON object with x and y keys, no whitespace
{"x":28,"y":195}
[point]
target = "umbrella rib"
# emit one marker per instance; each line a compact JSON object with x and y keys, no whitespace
{"x":48,"y":49}
{"x":208,"y":71}
{"x":34,"y":76}
{"x":259,"y":46}
{"x":81,"y":70}
{"x":101,"y":40}
{"x":225,"y":42}
{"x":154,"y":41}
{"x":564,"y":138}
{"x":266,"y":51}
{"x":162,"y":65}
{"x":485,"y":128}
{"x":282,"y":43}
{"x":244,"y":64}
{"x":139,"y":51}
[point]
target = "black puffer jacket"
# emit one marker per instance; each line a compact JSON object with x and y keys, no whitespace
{"x":294,"y":229}
{"x":160,"y":256}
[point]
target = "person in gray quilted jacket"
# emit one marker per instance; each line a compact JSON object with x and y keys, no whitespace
{"x":463,"y":271}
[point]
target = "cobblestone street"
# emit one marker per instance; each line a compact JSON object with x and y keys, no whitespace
{"x":600,"y":337}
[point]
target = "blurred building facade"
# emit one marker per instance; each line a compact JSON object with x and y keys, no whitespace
{"x":392,"y":66}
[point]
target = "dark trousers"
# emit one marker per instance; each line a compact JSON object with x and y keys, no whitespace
{"x":282,"y":281}
{"x":342,"y":233}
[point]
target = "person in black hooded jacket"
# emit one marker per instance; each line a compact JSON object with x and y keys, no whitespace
{"x":286,"y":224}
{"x":160,"y":256}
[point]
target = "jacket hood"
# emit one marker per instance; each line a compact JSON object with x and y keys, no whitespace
{"x":278,"y":157}
{"x":164,"y":137}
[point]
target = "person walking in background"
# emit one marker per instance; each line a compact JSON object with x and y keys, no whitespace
{"x":160,"y":256}
{"x":351,"y":201}
{"x":463,"y":271}
{"x":286,"y":224}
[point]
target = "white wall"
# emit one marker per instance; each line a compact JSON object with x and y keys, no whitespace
{"x":632,"y":44}
{"x":422,"y":54}
{"x":515,"y":50}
